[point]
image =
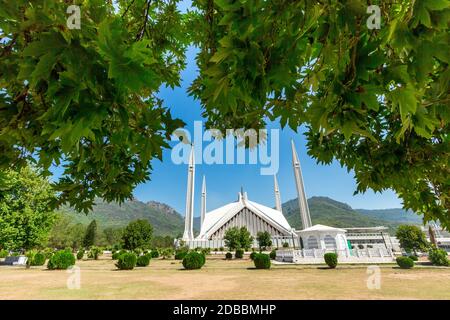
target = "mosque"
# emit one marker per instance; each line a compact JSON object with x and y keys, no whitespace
{"x":257,"y":217}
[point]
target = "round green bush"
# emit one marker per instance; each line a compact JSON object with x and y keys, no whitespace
{"x":405,"y":262}
{"x":80,"y":254}
{"x":221,"y":249}
{"x":331,"y":259}
{"x":154,"y":253}
{"x":273,"y":254}
{"x":438,"y":257}
{"x":62,"y":260}
{"x":126,"y":261}
{"x":239,"y":254}
{"x":252,"y":255}
{"x":193,"y":260}
{"x":143,"y":261}
{"x":262,"y":261}
{"x":228,"y":256}
{"x":285,"y":245}
{"x":38,"y":259}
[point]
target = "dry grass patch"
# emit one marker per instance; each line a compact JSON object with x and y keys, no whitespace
{"x":222,"y":279}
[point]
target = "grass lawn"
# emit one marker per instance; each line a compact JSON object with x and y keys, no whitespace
{"x":221,"y":279}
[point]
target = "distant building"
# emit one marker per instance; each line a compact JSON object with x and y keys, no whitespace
{"x":371,"y":237}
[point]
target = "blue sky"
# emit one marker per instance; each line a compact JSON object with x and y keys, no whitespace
{"x":168,"y":181}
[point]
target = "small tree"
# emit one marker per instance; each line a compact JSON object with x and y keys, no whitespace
{"x":90,"y":235}
{"x":236,"y":238}
{"x":264,"y":240}
{"x":232,"y":238}
{"x":138,"y":234}
{"x":411,"y":238}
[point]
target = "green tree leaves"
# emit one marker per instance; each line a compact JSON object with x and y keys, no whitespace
{"x":26,"y":216}
{"x":375,"y":100}
{"x":88,"y":98}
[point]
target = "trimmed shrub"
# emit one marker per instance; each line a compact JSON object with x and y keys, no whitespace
{"x":405,"y":262}
{"x":62,"y":260}
{"x":273,"y":254}
{"x":3,"y":253}
{"x":239,"y":254}
{"x":80,"y":254}
{"x":252,"y":255}
{"x":413,"y":258}
{"x":262,"y":261}
{"x":438,"y":257}
{"x":193,"y":260}
{"x":331,"y":259}
{"x":154,"y":254}
{"x":221,"y":249}
{"x":126,"y":261}
{"x":143,"y":261}
{"x":228,"y":256}
{"x":285,"y":245}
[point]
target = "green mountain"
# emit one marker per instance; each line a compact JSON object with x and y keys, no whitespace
{"x":395,"y":215}
{"x":330,"y":212}
{"x":165,"y":220}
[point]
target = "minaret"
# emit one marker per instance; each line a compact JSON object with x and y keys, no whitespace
{"x":203,"y":204}
{"x":302,"y":202}
{"x":277,"y":194}
{"x":189,"y":215}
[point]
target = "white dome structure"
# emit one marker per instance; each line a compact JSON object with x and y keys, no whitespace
{"x":244,"y":213}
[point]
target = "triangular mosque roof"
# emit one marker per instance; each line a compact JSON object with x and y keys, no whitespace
{"x":216,"y":218}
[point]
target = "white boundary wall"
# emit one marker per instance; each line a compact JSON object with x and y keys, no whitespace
{"x":277,"y":242}
{"x":315,"y":256}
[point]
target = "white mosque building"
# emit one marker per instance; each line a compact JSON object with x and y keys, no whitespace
{"x":304,"y":246}
{"x":256,"y":218}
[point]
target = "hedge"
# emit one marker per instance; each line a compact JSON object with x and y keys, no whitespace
{"x":331,"y":259}
{"x":126,"y":261}
{"x":193,"y":260}
{"x":262,"y":261}
{"x":405,"y":262}
{"x":62,"y":260}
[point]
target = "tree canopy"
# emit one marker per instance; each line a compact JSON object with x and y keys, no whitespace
{"x":376,"y":100}
{"x":26,"y":216}
{"x":238,"y":238}
{"x":138,"y":234}
{"x":411,"y":238}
